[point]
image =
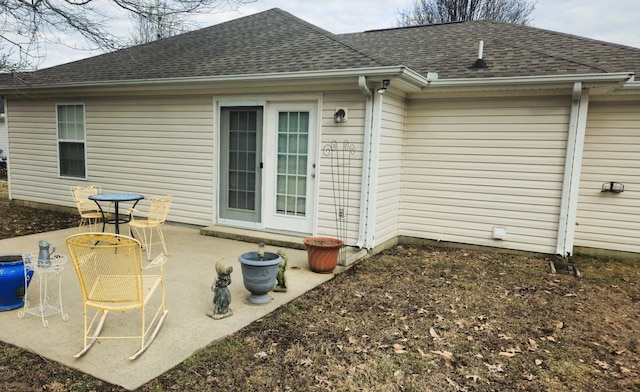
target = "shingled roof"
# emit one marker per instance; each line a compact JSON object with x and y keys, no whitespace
{"x":275,"y":41}
{"x":451,"y":49}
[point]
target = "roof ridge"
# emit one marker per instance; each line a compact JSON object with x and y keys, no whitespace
{"x":334,"y":37}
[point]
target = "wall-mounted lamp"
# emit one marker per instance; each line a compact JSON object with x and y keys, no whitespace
{"x":613,"y":187}
{"x":340,"y":116}
{"x":385,"y":85}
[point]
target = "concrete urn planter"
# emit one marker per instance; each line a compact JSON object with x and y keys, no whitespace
{"x":259,"y":275}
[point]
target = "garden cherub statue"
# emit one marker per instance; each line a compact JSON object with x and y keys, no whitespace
{"x":221,"y":293}
{"x":281,"y":280}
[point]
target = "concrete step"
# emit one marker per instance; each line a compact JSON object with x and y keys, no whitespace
{"x":351,"y":254}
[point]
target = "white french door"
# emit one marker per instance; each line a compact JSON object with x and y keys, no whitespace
{"x":289,"y":163}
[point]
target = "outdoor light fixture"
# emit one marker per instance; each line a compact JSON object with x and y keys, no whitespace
{"x":385,"y":85}
{"x":613,"y":187}
{"x":340,"y":116}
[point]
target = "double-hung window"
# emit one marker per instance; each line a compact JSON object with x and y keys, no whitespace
{"x":71,"y":140}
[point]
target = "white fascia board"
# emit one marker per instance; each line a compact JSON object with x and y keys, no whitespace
{"x":631,"y":86}
{"x":409,"y":76}
{"x":588,"y":80}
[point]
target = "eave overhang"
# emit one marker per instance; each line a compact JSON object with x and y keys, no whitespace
{"x":598,"y":84}
{"x":403,"y":78}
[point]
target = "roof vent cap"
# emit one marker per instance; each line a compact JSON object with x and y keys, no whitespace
{"x":480,"y":63}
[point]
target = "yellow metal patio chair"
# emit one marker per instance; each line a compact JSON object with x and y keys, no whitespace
{"x":144,"y":225}
{"x":114,"y":278}
{"x":90,"y":214}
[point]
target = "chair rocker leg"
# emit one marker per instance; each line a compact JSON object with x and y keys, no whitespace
{"x":94,"y":338}
{"x":151,"y":337}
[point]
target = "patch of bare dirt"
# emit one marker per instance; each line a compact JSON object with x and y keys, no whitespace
{"x":17,"y":221}
{"x":410,"y":319}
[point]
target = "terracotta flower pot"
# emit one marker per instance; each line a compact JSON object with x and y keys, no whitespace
{"x":322,"y":253}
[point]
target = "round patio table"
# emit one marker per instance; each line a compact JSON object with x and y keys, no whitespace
{"x":116,"y":198}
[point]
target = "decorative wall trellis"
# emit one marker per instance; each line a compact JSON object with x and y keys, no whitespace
{"x":340,"y":161}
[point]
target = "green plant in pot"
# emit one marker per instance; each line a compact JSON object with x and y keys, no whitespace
{"x":322,"y":253}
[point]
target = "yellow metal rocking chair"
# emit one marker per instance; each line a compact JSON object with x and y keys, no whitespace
{"x":113,"y":278}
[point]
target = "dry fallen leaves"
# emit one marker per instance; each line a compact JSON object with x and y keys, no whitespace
{"x":305,"y":362}
{"x":533,"y":346}
{"x":510,"y":352}
{"x":399,"y":348}
{"x":261,"y":355}
{"x":443,"y":354}
{"x":528,"y":376}
{"x":495,"y":368}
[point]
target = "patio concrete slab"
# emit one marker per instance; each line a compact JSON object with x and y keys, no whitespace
{"x":189,"y":274}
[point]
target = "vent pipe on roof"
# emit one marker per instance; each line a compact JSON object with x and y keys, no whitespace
{"x":480,"y":63}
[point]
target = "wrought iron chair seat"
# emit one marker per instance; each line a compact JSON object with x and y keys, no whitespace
{"x":90,"y":215}
{"x":144,"y":223}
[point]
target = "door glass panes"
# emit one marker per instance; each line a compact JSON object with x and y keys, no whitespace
{"x":242,"y":160}
{"x":291,"y":176}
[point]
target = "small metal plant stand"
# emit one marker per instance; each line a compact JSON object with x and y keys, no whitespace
{"x":45,"y":307}
{"x":340,"y":157}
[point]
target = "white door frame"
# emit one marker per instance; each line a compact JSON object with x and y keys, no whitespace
{"x":272,"y":219}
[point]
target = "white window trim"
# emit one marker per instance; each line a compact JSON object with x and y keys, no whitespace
{"x":84,"y":140}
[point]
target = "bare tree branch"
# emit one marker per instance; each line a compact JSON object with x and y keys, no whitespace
{"x":27,"y":26}
{"x":424,"y":12}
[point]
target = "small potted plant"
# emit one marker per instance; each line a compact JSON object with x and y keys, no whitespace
{"x":322,"y":253}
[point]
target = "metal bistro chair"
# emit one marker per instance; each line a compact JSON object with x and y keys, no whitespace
{"x":90,"y":215}
{"x":153,"y":219}
{"x":113,"y":279}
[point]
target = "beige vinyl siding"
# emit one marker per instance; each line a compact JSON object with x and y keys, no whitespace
{"x":611,"y":153}
{"x":390,"y":168}
{"x":34,"y":153}
{"x":142,"y":145}
{"x":353,"y":132}
{"x":474,"y":164}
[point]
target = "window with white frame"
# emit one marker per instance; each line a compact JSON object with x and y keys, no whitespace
{"x":71,"y":140}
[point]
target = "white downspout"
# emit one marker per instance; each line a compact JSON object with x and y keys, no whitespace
{"x":573,"y":168}
{"x":366,"y":153}
{"x":375,"y":163}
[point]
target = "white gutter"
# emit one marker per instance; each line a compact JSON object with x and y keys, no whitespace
{"x":632,"y":85}
{"x":366,"y":150}
{"x":375,"y":162}
{"x":572,"y":170}
{"x":386,"y":72}
{"x":618,"y":77}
